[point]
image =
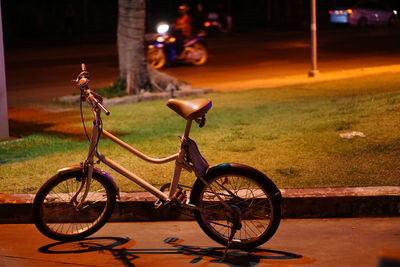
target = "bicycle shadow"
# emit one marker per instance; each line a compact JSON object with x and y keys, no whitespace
{"x":117,"y":247}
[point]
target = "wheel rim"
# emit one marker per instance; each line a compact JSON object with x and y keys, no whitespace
{"x":254,"y":204}
{"x":155,"y":58}
{"x":59,"y":215}
{"x":199,"y":54}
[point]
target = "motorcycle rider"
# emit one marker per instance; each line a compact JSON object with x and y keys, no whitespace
{"x":183,"y":23}
{"x":176,"y":43}
{"x":182,"y":27}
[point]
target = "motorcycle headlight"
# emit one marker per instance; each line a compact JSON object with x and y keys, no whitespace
{"x":162,"y":28}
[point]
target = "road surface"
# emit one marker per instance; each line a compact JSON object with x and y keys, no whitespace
{"x":38,"y":74}
{"x":307,"y":242}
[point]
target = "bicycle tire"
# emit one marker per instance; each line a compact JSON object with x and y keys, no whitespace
{"x":256,"y":196}
{"x":54,"y":197}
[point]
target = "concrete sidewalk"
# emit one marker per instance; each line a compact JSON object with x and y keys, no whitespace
{"x":297,"y":203}
{"x":307,"y":242}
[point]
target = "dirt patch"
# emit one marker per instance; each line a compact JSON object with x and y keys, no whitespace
{"x":26,"y":121}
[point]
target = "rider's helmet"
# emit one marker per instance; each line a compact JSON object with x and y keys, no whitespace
{"x":183,"y":9}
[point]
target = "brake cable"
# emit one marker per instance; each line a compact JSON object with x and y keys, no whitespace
{"x":84,"y":125}
{"x":83,"y":120}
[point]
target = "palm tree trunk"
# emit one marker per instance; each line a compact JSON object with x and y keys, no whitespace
{"x":131,"y":53}
{"x":131,"y":28}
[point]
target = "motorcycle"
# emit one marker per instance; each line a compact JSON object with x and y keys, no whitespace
{"x":165,"y":49}
{"x":217,"y":23}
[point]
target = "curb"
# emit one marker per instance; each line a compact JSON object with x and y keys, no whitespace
{"x":74,"y":99}
{"x":296,"y":204}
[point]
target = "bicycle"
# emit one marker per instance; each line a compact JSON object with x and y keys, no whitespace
{"x":234,"y":204}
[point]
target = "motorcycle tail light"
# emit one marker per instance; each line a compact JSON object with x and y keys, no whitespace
{"x":349,"y":11}
{"x":207,"y":24}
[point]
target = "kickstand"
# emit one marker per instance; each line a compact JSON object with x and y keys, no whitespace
{"x":233,"y":232}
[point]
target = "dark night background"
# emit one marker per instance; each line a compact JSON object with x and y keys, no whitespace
{"x":28,"y":22}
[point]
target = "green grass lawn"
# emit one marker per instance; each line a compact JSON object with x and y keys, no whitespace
{"x":290,"y":133}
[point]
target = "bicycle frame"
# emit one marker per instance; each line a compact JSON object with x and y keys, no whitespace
{"x":95,"y":137}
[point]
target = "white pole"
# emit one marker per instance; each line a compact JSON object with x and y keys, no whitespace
{"x":314,"y":70}
{"x":4,"y":130}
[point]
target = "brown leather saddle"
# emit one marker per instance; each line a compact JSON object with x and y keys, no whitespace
{"x":190,"y":109}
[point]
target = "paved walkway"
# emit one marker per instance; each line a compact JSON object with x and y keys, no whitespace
{"x":302,"y":79}
{"x":311,"y":242}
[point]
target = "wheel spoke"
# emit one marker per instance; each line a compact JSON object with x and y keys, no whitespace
{"x":60,"y":219}
{"x":248,"y":202}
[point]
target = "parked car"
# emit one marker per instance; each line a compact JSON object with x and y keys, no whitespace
{"x":363,"y":14}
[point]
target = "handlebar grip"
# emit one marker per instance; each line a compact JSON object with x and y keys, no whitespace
{"x":99,"y":104}
{"x":105,"y":110}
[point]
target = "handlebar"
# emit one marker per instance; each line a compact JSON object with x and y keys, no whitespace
{"x":97,"y":100}
{"x":94,"y":99}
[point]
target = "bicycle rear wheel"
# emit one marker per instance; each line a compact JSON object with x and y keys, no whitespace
{"x":55,"y":214}
{"x":249,"y":195}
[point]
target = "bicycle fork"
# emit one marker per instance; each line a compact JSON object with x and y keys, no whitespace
{"x":88,"y":165}
{"x":86,"y":182}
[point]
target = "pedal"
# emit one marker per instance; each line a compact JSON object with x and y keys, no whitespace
{"x":179,"y":197}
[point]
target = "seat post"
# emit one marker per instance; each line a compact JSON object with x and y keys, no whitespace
{"x":179,"y":163}
{"x":188,"y":126}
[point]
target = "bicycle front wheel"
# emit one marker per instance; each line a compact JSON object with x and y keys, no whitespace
{"x":249,"y":196}
{"x":57,"y":215}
